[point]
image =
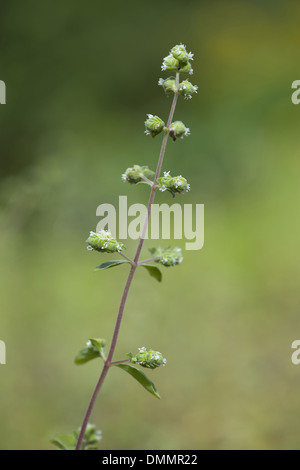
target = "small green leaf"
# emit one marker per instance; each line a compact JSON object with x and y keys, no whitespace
{"x":86,"y":355}
{"x":138,"y":375}
{"x":65,"y":442}
{"x":144,"y":182}
{"x":111,"y":264}
{"x":94,"y":348}
{"x":153,"y":271}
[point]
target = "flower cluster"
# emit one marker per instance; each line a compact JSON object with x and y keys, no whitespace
{"x":147,"y":358}
{"x":167,"y":256}
{"x":104,"y":242}
{"x":154,"y":125}
{"x":173,"y":184}
{"x":136,"y":174}
{"x":178,"y":59}
{"x":178,"y":130}
{"x":168,"y":84}
{"x":185,"y":88}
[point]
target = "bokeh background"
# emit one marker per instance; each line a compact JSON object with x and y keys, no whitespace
{"x":80,"y":78}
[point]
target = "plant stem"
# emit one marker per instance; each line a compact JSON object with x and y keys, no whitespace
{"x":108,"y":360}
{"x":150,"y":260}
{"x":158,"y":170}
{"x":134,"y":265}
{"x":126,"y":257}
{"x":147,"y":180}
{"x":119,"y":362}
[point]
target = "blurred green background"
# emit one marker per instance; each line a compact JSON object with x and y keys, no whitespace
{"x":80,"y":78}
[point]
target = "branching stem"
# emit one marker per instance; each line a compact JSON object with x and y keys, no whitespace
{"x":126,"y":257}
{"x":134,"y":265}
{"x":150,"y":260}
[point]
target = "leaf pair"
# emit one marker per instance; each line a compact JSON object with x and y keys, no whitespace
{"x":95,"y":348}
{"x":152,"y":270}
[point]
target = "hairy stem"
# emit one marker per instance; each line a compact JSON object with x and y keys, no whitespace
{"x":150,"y":260}
{"x":134,"y":265}
{"x":126,"y":257}
{"x":147,"y":180}
{"x":119,"y":362}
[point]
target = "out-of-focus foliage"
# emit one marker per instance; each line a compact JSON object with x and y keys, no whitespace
{"x":81,"y":77}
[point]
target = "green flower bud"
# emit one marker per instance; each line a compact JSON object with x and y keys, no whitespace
{"x":167,"y":256}
{"x":178,"y":59}
{"x":148,"y":358}
{"x":174,"y":185}
{"x":170,"y":63}
{"x":186,"y":89}
{"x":180,"y":53}
{"x":178,"y":129}
{"x":154,"y":125}
{"x":135,"y":174}
{"x":169,"y":85}
{"x":103,"y":242}
{"x":187,"y":68}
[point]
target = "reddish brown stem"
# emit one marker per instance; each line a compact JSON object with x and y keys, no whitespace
{"x":108,"y":361}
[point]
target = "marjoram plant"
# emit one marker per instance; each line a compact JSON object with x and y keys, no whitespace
{"x":178,"y":62}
